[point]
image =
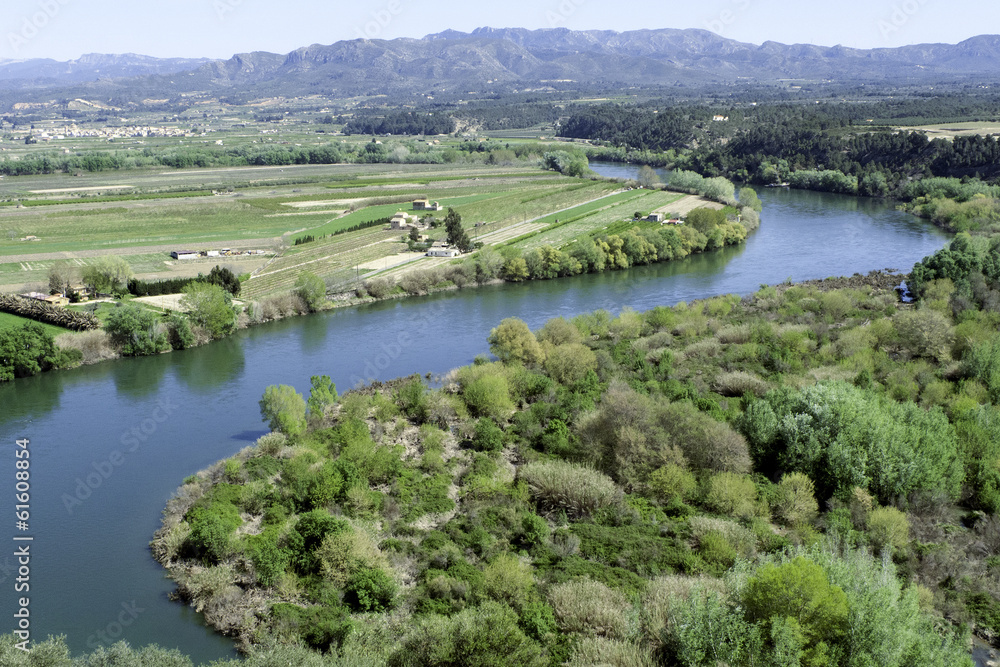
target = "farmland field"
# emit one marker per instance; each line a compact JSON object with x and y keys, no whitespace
{"x":142,"y":216}
{"x":8,"y":320}
{"x":597,"y":215}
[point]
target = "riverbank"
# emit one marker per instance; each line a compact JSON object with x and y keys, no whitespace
{"x":521,"y":258}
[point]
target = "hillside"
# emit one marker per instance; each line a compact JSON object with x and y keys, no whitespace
{"x":501,"y":60}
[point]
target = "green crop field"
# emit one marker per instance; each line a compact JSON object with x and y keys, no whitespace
{"x":10,"y":321}
{"x":142,"y":215}
{"x":596,"y":216}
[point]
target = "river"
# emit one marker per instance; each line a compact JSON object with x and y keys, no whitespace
{"x":110,"y":443}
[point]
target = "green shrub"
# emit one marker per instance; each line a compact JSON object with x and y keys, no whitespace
{"x":308,"y":534}
{"x":411,"y":397}
{"x":742,"y":540}
{"x":506,"y":579}
{"x":534,"y":531}
{"x":321,"y":628}
{"x":716,"y":550}
{"x":489,"y":396}
{"x":559,"y":486}
{"x":642,"y":549}
{"x":796,"y":502}
{"x":488,"y":436}
{"x":590,"y":608}
{"x":739,"y":383}
{"x":269,"y":560}
{"x":733,"y":495}
{"x":672,"y":481}
{"x":486,"y":636}
{"x":801,"y":590}
{"x":888,"y":528}
{"x":261,"y":467}
{"x":370,"y":590}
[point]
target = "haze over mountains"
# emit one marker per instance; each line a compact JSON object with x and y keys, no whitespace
{"x":510,"y":58}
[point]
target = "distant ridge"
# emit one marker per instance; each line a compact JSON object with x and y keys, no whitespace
{"x":516,"y":58}
{"x":39,"y":72}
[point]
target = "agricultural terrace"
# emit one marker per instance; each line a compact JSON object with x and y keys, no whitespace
{"x":142,"y":217}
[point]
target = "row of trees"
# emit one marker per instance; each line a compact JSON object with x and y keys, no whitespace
{"x":705,"y":230}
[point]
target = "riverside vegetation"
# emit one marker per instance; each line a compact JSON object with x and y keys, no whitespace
{"x":802,"y":476}
{"x":655,"y":488}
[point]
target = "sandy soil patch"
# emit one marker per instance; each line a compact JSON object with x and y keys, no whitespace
{"x":91,"y":188}
{"x":511,"y":232}
{"x":390,"y":261}
{"x":336,"y":213}
{"x":325,"y":202}
{"x":166,"y":301}
{"x":687,"y":204}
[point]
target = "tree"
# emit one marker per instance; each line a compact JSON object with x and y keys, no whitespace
{"x":512,"y":340}
{"x":311,"y":289}
{"x":136,"y":331}
{"x":27,"y":350}
{"x":749,"y":198}
{"x":570,"y":362}
{"x":705,"y":220}
{"x":801,"y":590}
{"x":456,"y":233}
{"x":107,"y":274}
{"x":61,"y":278}
{"x":322,"y":394}
{"x":224,"y":278}
{"x":796,"y":501}
{"x":283,"y":409}
{"x":210,"y":306}
{"x":647,"y":177}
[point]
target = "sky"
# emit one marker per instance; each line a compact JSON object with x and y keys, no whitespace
{"x":66,"y":29}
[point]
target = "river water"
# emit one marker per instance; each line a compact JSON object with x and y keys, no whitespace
{"x":110,"y":443}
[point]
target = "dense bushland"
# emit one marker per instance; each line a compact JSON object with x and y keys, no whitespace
{"x":795,"y":475}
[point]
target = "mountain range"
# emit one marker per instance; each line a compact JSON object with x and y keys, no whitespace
{"x":489,"y":59}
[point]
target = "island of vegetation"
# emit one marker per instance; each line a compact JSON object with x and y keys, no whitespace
{"x":794,"y":477}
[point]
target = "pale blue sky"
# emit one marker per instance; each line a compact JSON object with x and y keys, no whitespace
{"x":65,"y":29}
